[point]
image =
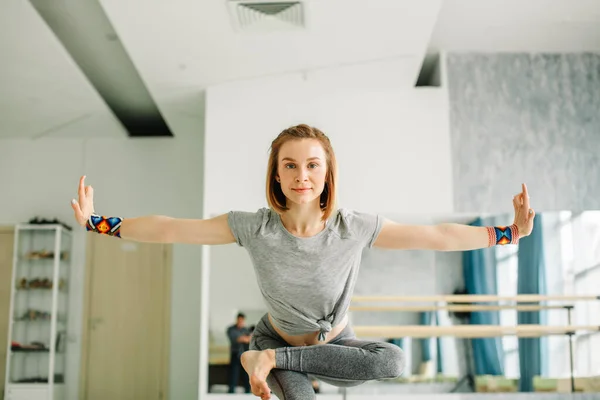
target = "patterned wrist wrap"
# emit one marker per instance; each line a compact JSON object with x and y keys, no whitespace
{"x":502,"y":235}
{"x":110,"y":226}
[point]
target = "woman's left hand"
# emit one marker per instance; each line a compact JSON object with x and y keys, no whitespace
{"x":524,"y":215}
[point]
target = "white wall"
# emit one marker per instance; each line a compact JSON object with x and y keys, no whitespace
{"x":143,"y":176}
{"x":392,"y":146}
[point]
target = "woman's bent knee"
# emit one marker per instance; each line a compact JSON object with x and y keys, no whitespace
{"x":394,"y":361}
{"x":291,"y":390}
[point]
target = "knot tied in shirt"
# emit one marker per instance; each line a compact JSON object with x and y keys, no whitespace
{"x":325,"y":328}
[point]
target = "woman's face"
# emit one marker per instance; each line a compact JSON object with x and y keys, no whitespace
{"x":302,"y":169}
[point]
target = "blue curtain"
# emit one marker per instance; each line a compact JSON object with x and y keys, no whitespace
{"x":479,"y":271}
{"x":438,"y":345}
{"x":425,"y":343}
{"x":531,"y":280}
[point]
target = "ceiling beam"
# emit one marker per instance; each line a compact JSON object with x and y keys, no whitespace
{"x":88,"y":36}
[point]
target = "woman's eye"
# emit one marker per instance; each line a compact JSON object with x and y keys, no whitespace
{"x":290,"y":166}
{"x":313,"y":165}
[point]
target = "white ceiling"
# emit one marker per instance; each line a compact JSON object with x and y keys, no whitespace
{"x":182,"y":46}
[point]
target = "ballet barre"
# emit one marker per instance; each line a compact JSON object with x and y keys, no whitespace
{"x":465,"y":304}
{"x":461,"y":308}
{"x":470,"y":331}
{"x":473,"y":298}
{"x":478,"y":331}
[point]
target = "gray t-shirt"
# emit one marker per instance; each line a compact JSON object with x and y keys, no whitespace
{"x":307,"y":283}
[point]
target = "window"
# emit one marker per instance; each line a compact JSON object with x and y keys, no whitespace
{"x":579,"y":235}
{"x":572,"y":255}
{"x":507,"y":265}
{"x":558,"y":253}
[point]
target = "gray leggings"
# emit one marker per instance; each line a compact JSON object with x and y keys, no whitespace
{"x":345,"y":361}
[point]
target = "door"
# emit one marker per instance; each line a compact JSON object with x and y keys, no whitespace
{"x":7,"y":238}
{"x":126,"y":337}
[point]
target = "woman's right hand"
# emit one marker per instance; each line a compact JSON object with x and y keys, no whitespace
{"x":85,"y":206}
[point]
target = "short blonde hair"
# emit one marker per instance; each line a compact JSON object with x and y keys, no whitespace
{"x":275,"y":196}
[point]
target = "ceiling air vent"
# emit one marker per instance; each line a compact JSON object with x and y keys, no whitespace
{"x":266,"y":16}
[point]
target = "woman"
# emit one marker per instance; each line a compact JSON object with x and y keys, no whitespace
{"x":306,"y":255}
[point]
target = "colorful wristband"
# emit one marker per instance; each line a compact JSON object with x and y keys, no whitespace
{"x":502,"y":235}
{"x":110,"y":226}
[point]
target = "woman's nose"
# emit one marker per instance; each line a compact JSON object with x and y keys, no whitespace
{"x":302,"y":175}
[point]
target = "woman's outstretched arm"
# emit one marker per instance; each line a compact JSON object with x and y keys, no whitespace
{"x":163,"y":229}
{"x":458,"y":237}
{"x":151,"y":228}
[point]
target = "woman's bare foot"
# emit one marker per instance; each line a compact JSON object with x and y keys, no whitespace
{"x":258,"y":365}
